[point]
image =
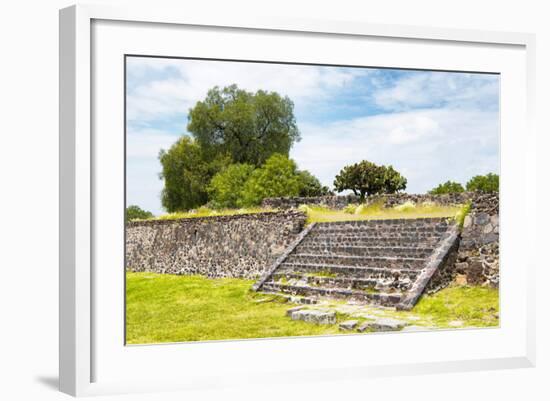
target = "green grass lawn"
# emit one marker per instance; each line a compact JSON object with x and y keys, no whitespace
{"x":321,"y":214}
{"x":351,"y":212}
{"x":169,"y":308}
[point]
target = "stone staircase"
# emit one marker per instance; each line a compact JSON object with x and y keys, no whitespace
{"x":381,"y":262}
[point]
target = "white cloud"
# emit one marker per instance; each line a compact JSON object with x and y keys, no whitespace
{"x":428,"y":146}
{"x":437,"y":88}
{"x":146,"y":143}
{"x":191,"y":79}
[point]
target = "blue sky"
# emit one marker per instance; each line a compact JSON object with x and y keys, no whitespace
{"x":431,"y":126}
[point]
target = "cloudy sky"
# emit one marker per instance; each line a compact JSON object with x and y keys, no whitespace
{"x":431,"y":126}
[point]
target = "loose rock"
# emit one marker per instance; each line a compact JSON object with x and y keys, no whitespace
{"x":348,"y":325}
{"x":315,"y":316}
{"x":383,"y":324}
{"x":290,"y":311}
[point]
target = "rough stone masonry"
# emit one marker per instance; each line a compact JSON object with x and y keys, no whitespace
{"x":246,"y":245}
{"x":219,"y":246}
{"x":477,"y":260}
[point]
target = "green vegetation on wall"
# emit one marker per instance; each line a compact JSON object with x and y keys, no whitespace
{"x":449,"y":187}
{"x":484,"y":183}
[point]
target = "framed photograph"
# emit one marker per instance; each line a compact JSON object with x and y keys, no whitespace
{"x":290,"y":199}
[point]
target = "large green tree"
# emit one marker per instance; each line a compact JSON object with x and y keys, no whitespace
{"x":277,"y":177}
{"x":448,"y":187}
{"x":367,"y":178}
{"x":484,"y":183}
{"x":226,"y":187}
{"x":186,"y":174}
{"x":249,"y":126}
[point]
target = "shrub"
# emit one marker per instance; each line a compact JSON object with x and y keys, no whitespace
{"x":276,"y":178}
{"x":484,"y":183}
{"x":448,"y":187}
{"x":134,"y":212}
{"x":366,"y":178}
{"x":225,"y":188}
{"x":311,"y":186}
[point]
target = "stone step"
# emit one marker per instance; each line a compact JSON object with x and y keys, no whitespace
{"x":347,"y":271}
{"x":344,"y":240}
{"x":388,"y":262}
{"x":358,"y":250}
{"x":377,"y":232}
{"x":380,"y":223}
{"x":386,"y":285}
{"x":378,"y":298}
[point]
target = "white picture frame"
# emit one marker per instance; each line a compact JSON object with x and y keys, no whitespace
{"x":81,"y":159}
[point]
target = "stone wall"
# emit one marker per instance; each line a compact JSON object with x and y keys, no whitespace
{"x":341,"y":201}
{"x":219,"y":246}
{"x":478,"y":256}
{"x":331,"y":201}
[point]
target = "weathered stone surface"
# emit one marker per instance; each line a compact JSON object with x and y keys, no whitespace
{"x":364,"y":327}
{"x":386,"y":324}
{"x":315,"y":316}
{"x":348,"y":325}
{"x":487,"y":203}
{"x":290,"y":311}
{"x":382,"y":324}
{"x":218,"y":246}
{"x":488,"y":228}
{"x":461,"y":279}
{"x":481,"y":219}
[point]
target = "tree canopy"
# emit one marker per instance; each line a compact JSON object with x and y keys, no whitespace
{"x":186,"y":175}
{"x":484,"y":183}
{"x":226,"y":187}
{"x":448,"y":187}
{"x":134,"y":212}
{"x":367,"y":178}
{"x":277,"y":177}
{"x":311,"y":186}
{"x":250,"y":127}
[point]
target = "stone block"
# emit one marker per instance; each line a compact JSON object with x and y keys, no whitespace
{"x":315,"y":316}
{"x":461,"y":279}
{"x":481,"y":219}
{"x":385,"y":324}
{"x":348,"y":325}
{"x":290,"y":311}
{"x":487,"y":228}
{"x":382,"y":324}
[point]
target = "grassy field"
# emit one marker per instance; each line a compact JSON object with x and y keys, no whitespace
{"x":168,"y":308}
{"x":351,"y":212}
{"x":376,"y":211}
{"x":206,"y":212}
